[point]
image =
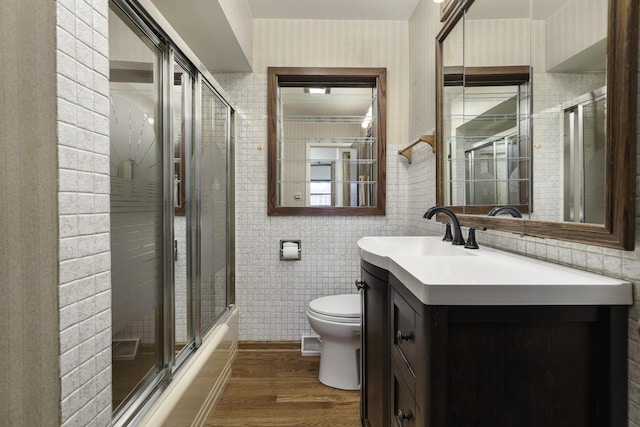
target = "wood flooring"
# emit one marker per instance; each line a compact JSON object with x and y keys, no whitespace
{"x":279,"y":387}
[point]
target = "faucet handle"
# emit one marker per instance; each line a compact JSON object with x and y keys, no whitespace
{"x":471,"y":240}
{"x":448,"y":237}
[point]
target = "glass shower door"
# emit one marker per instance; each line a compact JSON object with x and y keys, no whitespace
{"x":137,"y":220}
{"x":183,"y":333}
{"x":171,"y":194}
{"x":211,"y":176}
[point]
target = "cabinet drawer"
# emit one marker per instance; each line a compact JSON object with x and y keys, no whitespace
{"x":403,"y":408}
{"x":404,"y":320}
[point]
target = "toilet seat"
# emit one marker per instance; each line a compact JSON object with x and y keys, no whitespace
{"x":336,"y":308}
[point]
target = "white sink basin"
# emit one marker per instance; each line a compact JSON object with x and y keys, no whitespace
{"x":440,"y":273}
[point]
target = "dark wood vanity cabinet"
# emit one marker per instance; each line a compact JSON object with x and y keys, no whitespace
{"x":494,"y":366}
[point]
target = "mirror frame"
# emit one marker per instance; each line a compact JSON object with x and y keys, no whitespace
{"x":618,"y":231}
{"x":306,"y":75}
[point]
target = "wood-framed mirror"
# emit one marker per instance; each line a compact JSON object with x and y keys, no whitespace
{"x":326,"y":141}
{"x":616,"y":226}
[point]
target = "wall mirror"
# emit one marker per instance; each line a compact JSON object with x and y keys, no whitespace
{"x":326,"y":141}
{"x":536,"y":107}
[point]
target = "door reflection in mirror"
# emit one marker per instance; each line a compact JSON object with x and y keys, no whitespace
{"x":330,"y":172}
{"x":584,"y":158}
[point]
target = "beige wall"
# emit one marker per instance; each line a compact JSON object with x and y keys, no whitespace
{"x":29,"y":384}
{"x":54,"y":260}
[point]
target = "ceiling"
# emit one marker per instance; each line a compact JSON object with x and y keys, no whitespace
{"x":392,"y":10}
{"x":203,"y":25}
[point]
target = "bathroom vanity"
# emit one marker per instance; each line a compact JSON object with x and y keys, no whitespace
{"x":455,"y":337}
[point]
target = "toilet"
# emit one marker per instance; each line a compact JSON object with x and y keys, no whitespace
{"x":336,"y":319}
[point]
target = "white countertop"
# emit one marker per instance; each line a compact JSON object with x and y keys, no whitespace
{"x":439,"y":273}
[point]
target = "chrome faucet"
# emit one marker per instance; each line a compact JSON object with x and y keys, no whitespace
{"x":457,"y":232}
{"x":505,"y":209}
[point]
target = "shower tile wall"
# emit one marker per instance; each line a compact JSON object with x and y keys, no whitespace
{"x":84,"y":246}
{"x":615,"y":263}
{"x":273,"y":295}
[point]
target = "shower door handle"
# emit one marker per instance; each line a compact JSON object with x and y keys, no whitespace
{"x":360,"y":284}
{"x":175,"y":250}
{"x":401,"y":416}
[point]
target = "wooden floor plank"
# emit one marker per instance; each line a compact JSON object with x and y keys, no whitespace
{"x":281,"y":388}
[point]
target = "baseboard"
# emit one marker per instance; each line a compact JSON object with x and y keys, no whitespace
{"x":269,"y":345}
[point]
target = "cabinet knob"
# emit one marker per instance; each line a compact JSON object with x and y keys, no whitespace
{"x":403,"y":416}
{"x":360,"y":284}
{"x":403,"y":337}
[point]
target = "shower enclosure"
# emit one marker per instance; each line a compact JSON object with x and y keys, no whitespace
{"x":171,"y":208}
{"x":584,"y":158}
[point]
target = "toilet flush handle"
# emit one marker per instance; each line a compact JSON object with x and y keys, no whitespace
{"x":360,"y":284}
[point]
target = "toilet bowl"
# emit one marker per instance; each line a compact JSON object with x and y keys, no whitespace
{"x":336,"y":319}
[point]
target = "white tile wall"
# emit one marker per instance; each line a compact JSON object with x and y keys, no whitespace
{"x":83,"y":194}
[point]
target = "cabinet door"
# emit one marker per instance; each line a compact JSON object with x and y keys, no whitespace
{"x":410,"y":340}
{"x":403,"y":404}
{"x":404,"y":322}
{"x":375,"y":348}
